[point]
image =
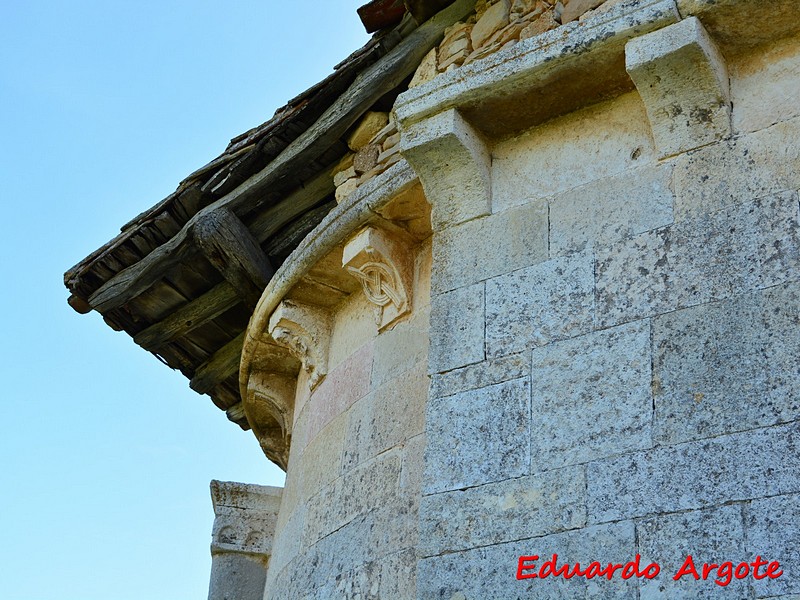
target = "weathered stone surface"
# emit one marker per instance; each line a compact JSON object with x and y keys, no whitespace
{"x":480,"y":375}
{"x":605,"y":211}
{"x":239,"y":576}
{"x":393,"y":576}
{"x":453,"y":164}
{"x":370,"y":124}
{"x":713,"y":535}
{"x":748,"y":246}
{"x":366,"y":158}
{"x":749,"y":166}
{"x":591,"y":397}
{"x":727,"y":366}
{"x":565,"y":153}
{"x":427,"y":70}
{"x":457,"y":328}
{"x":740,"y":466}
{"x":321,"y":460}
{"x":489,"y":246}
{"x":345,"y":384}
{"x":387,"y":417}
{"x":764,"y":86}
{"x":477,"y":437}
{"x":400,"y":349}
{"x":489,"y":572}
{"x":537,"y":305}
{"x":545,"y":22}
{"x":575,"y":8}
{"x":346,"y":188}
{"x":504,"y":511}
{"x":344,"y":175}
{"x":773,"y":531}
{"x":495,"y":18}
{"x":683,"y":80}
{"x":353,"y":494}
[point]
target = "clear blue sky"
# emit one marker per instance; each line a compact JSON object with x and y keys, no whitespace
{"x":105,"y":107}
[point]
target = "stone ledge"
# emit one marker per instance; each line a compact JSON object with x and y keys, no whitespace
{"x":542,"y":77}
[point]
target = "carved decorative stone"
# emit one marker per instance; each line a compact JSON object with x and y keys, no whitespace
{"x":305,"y":330}
{"x":382,"y":262}
{"x":270,"y":400}
{"x":683,"y":81}
{"x":241,"y":539}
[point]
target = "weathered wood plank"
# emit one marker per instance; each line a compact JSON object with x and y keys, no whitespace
{"x":195,"y":314}
{"x":219,"y":367}
{"x":234,"y":252}
{"x":375,"y":81}
{"x":289,"y":238}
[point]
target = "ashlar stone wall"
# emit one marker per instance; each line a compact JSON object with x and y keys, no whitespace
{"x":614,"y":353}
{"x":348,"y":524}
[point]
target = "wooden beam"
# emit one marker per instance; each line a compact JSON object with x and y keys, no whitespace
{"x":372,"y":84}
{"x":190,"y":316}
{"x":222,"y":364}
{"x":234,"y":252}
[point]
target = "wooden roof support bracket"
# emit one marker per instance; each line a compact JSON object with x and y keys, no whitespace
{"x":234,"y":252}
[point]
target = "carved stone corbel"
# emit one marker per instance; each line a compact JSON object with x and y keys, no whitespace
{"x":383,"y":264}
{"x":305,"y":331}
{"x":454,"y":165}
{"x":269,"y":407}
{"x":683,"y":81}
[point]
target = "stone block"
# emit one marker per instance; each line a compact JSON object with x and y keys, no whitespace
{"x":346,"y":188}
{"x":575,"y":8}
{"x":611,"y":209}
{"x":401,"y":348}
{"x":504,"y":511}
{"x":393,"y":576}
{"x":413,"y":455}
{"x":342,"y":176}
{"x":489,"y":246}
{"x":591,"y":397}
{"x":540,"y":304}
{"x":345,"y":384}
{"x":740,"y":466}
{"x":737,"y":170}
{"x":427,"y":70}
{"x":727,"y":366}
{"x":764,"y":86}
{"x":477,"y":437}
{"x":494,"y":19}
{"x":321,"y":461}
{"x":454,"y":165}
{"x":457,"y":328}
{"x":239,"y":576}
{"x":713,"y":535}
{"x":773,"y":531}
{"x":488,"y":372}
{"x":354,"y":494}
{"x":490,"y":572}
{"x":366,"y":158}
{"x":387,"y":417}
{"x":683,"y":80}
{"x":565,"y":153}
{"x":545,"y":22}
{"x":371,"y":123}
{"x":712,"y":257}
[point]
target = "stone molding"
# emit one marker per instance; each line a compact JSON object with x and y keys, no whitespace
{"x":682,"y":79}
{"x":383,"y":265}
{"x":305,"y":331}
